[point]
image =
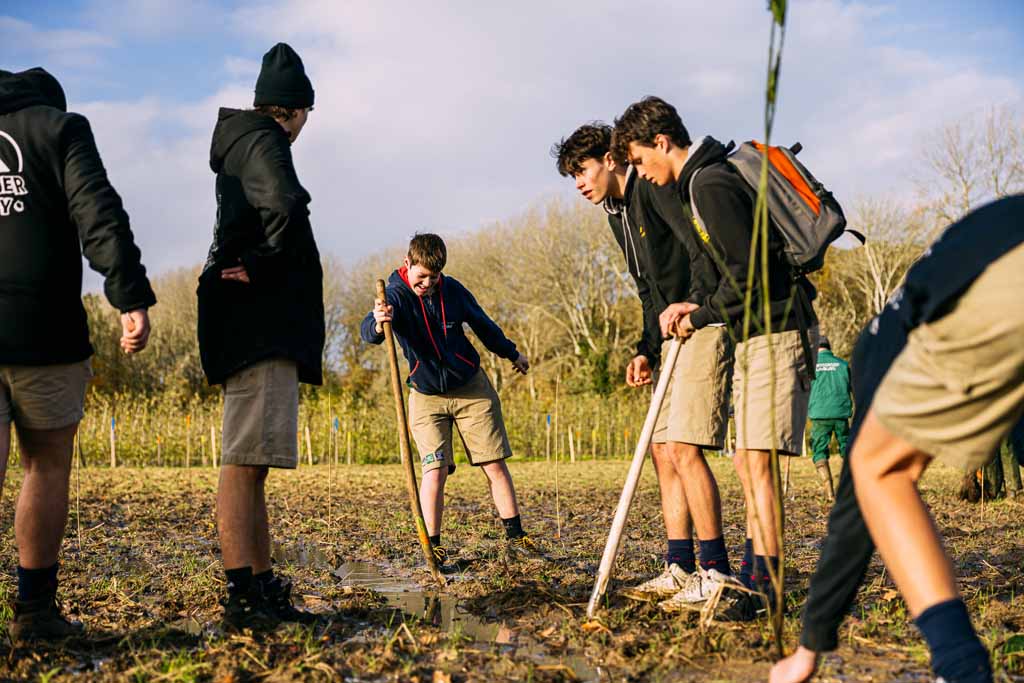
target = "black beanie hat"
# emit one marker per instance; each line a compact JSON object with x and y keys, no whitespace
{"x":824,"y":343}
{"x":46,"y":85}
{"x":283,"y":81}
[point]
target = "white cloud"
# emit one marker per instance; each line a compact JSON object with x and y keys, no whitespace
{"x":441,"y":115}
{"x":27,"y":45}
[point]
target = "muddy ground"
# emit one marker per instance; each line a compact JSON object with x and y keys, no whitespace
{"x":142,"y":570}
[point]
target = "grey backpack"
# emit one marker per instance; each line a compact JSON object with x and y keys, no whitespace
{"x":804,"y":214}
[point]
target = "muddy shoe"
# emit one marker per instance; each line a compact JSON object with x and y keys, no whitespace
{"x":248,"y":611}
{"x":744,"y":606}
{"x":277,"y":596}
{"x":440,"y":555}
{"x":666,"y":584}
{"x":41,"y":619}
{"x":700,"y":586}
{"x":524,"y":548}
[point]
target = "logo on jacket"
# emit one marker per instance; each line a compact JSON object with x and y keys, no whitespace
{"x":12,"y":184}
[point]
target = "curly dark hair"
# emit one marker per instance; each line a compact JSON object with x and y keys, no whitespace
{"x":645,"y":119}
{"x":428,"y":250}
{"x":277,"y":112}
{"x":590,"y":141}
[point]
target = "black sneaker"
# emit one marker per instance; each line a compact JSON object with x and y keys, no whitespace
{"x":742,"y":606}
{"x":248,"y":611}
{"x":277,"y":596}
{"x":525,"y":547}
{"x":41,"y":619}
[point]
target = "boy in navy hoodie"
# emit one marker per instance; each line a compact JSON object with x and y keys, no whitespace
{"x":448,"y":388}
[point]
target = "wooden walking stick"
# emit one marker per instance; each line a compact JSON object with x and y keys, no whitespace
{"x":406,"y":448}
{"x":611,"y":548}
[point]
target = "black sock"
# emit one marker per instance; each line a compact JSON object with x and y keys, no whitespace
{"x":264,"y":579}
{"x":513,"y":527}
{"x":762,"y":579}
{"x":714,"y":555}
{"x":747,"y":566}
{"x":37,"y":583}
{"x":680,"y":552}
{"x":957,"y":654}
{"x":239,"y":580}
{"x":435,"y":540}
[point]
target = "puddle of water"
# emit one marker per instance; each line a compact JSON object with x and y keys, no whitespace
{"x":447,"y":614}
{"x":300,"y":554}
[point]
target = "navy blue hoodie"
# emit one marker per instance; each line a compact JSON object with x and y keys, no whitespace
{"x":429,"y":328}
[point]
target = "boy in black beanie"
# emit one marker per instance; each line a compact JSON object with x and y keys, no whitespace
{"x":261,"y":325}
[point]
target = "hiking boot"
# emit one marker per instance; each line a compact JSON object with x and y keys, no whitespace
{"x":41,"y":619}
{"x":277,"y":597}
{"x":666,"y":584}
{"x":825,"y":475}
{"x":440,"y":555}
{"x":248,"y":611}
{"x":524,"y":548}
{"x":701,"y":586}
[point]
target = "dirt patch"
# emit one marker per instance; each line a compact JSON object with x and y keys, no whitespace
{"x":141,"y":568}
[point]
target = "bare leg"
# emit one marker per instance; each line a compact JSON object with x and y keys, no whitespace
{"x":432,"y":498}
{"x":674,"y":507}
{"x":885,"y":472}
{"x":755,"y":474}
{"x":42,"y":511}
{"x":241,"y":514}
{"x":502,"y":490}
{"x":702,"y":498}
{"x":261,"y":527}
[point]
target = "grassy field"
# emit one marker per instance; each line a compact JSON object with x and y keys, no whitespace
{"x":141,"y":568}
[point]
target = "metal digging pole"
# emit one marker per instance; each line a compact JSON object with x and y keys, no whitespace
{"x":611,"y":548}
{"x":406,"y":448}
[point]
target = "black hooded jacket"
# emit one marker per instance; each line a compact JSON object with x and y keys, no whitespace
{"x":56,"y":204}
{"x":662,"y":253}
{"x":725,"y":204}
{"x":263,"y":224}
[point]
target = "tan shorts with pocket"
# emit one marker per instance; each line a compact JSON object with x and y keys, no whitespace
{"x":261,"y":415}
{"x":474,"y":409}
{"x":43,"y":396}
{"x":696,"y":405}
{"x":957,"y":389}
{"x":753,"y":397}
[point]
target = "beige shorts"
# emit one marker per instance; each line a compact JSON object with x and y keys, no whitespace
{"x":696,"y":405}
{"x":957,"y":389}
{"x":43,"y":396}
{"x":261,"y":415}
{"x":475,"y":409}
{"x":753,"y":396}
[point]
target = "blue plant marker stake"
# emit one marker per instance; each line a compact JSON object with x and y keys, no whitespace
{"x":549,"y":419}
{"x":113,"y":423}
{"x":335,"y":424}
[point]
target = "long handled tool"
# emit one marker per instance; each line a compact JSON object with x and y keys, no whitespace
{"x":611,"y":548}
{"x":406,"y":448}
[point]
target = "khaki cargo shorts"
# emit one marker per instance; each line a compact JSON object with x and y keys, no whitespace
{"x":752,"y":392}
{"x":475,"y":409}
{"x":261,"y":415}
{"x":43,"y":396}
{"x":696,"y":405}
{"x":957,"y":388}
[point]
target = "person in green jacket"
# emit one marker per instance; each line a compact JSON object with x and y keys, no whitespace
{"x":830,"y":408}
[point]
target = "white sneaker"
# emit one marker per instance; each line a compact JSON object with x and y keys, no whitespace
{"x":702,"y":585}
{"x":669,"y":582}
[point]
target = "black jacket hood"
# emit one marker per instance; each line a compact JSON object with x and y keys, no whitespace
{"x":703,"y":153}
{"x":30,"y":88}
{"x":232,"y":126}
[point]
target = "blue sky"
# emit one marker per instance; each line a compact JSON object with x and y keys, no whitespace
{"x":440,"y":116}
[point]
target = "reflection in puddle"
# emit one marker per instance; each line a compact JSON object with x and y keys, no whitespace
{"x":446,"y":613}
